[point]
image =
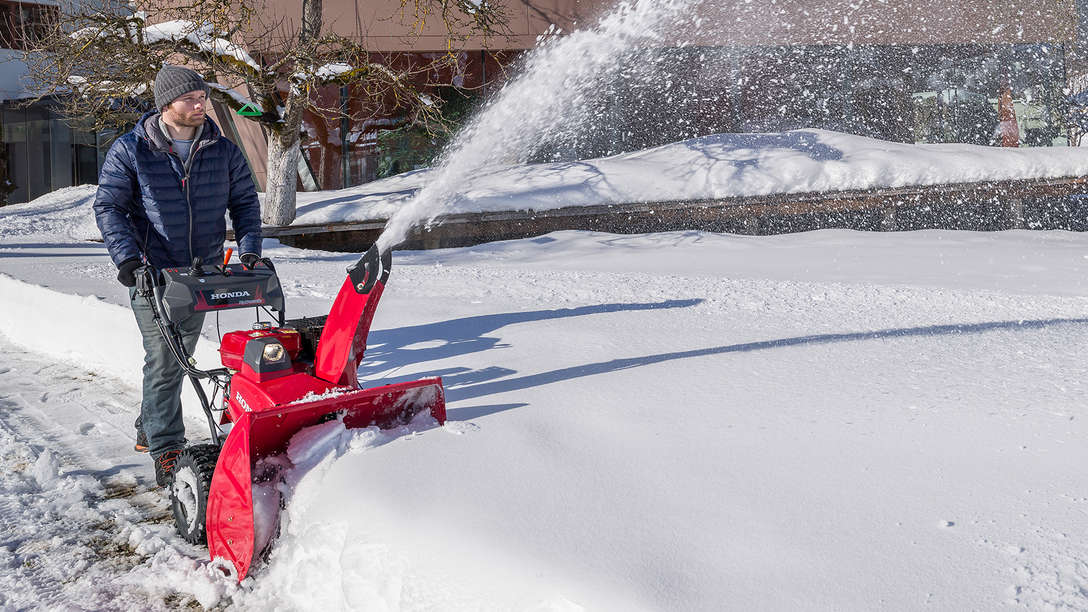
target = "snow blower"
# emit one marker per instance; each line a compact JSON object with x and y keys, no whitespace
{"x":276,"y":379}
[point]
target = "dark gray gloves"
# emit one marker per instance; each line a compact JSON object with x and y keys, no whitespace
{"x":249,"y":260}
{"x":126,"y":272}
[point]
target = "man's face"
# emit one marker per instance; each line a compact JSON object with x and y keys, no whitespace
{"x":188,"y":110}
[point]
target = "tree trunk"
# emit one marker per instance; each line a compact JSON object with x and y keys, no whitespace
{"x":283,"y":144}
{"x":279,"y":196}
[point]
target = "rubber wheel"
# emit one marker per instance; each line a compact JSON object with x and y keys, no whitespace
{"x":189,"y":493}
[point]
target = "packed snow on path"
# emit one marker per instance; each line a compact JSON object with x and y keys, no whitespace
{"x":677,"y":421}
{"x":83,"y":528}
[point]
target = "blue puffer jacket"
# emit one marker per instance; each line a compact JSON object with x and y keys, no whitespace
{"x":151,"y":206}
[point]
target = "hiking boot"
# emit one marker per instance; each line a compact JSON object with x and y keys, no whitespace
{"x":141,"y":437}
{"x":141,"y":442}
{"x":165,"y":464}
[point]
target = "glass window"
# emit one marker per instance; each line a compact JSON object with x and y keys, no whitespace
{"x":973,"y":93}
{"x":18,"y":172}
{"x":61,"y":157}
{"x":38,"y":157}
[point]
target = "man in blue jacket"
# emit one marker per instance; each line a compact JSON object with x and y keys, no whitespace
{"x":163,"y":194}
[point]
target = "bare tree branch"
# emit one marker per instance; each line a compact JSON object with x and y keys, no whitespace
{"x":102,"y":63}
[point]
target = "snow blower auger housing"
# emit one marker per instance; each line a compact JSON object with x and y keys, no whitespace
{"x":276,"y":379}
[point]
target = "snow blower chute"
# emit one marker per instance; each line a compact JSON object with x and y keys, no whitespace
{"x":275,"y":380}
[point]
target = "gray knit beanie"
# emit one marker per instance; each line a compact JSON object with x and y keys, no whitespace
{"x":172,"y":82}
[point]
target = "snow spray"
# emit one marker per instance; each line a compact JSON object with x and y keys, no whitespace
{"x":549,"y":98}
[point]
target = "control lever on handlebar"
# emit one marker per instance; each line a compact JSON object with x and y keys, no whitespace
{"x":223,"y":269}
{"x":197,"y":268}
{"x":145,"y":281}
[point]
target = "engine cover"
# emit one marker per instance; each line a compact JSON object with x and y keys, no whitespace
{"x":245,"y":351}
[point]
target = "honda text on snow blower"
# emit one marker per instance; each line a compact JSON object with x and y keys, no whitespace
{"x":275,"y":380}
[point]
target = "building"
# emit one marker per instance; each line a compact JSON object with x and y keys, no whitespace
{"x":39,"y":151}
{"x":977,"y":71}
{"x":924,"y":71}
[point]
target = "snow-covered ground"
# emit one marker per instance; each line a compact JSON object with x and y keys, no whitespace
{"x":681,"y":421}
{"x":716,"y":166}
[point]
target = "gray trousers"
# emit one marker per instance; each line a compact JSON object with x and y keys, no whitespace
{"x":160,"y":409}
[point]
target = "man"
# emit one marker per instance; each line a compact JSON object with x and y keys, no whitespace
{"x":163,"y":193}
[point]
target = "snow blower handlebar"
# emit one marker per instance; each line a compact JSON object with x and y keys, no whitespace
{"x":148,"y":287}
{"x":177,"y":293}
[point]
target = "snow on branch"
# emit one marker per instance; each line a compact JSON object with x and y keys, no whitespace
{"x":332,"y":71}
{"x":237,"y":100}
{"x":111,"y":88}
{"x":202,"y":36}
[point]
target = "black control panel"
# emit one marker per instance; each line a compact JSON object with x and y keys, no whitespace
{"x":186,"y":291}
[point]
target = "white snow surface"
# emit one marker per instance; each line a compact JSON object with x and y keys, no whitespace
{"x":832,"y":420}
{"x":715,"y":166}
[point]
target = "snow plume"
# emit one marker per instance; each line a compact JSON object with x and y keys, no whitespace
{"x":546,"y":104}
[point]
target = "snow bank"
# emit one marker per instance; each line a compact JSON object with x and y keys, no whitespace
{"x":716,"y":166}
{"x":446,"y":569}
{"x":85,"y":331}
{"x":64,"y":213}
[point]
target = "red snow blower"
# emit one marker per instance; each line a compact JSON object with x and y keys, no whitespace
{"x":275,"y":380}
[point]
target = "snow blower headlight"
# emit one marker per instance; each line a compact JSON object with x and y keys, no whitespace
{"x":267,"y":357}
{"x":272,"y":353}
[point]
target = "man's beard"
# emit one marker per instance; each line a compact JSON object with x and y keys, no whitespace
{"x":187,"y":119}
{"x":191,"y":119}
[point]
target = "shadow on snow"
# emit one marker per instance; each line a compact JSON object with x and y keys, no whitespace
{"x":465,"y":336}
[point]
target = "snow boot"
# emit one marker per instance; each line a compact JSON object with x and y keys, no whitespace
{"x":165,"y":464}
